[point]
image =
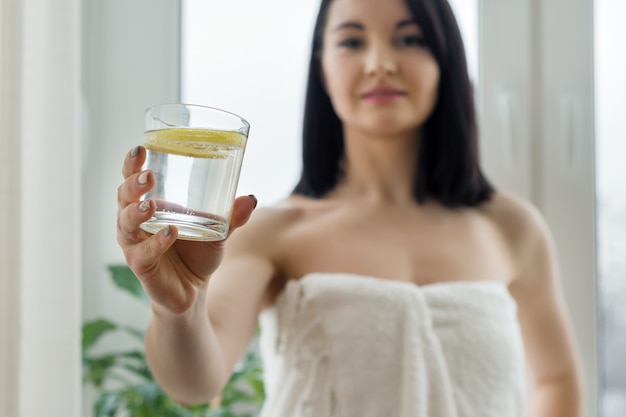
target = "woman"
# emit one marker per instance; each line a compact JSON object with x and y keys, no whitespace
{"x":394,"y":280}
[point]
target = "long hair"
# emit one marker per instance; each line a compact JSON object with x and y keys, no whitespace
{"x":447,"y":158}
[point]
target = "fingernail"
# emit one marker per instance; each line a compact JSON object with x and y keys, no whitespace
{"x":134,"y":152}
{"x":255,"y":200}
{"x":143,"y":178}
{"x":167,"y":231}
{"x":144,"y":206}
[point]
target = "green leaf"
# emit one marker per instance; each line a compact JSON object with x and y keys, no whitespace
{"x":93,"y":330}
{"x":108,"y":404}
{"x":135,"y":362}
{"x":103,"y":367}
{"x":259,"y":388}
{"x":124,"y":279}
{"x":97,"y":371}
{"x":149,"y":394}
{"x":127,"y":386}
{"x":232,"y":395}
{"x":133,"y":332}
{"x":221,"y":412}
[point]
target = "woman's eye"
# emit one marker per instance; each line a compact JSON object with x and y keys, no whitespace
{"x":351,"y":43}
{"x":411,"y":40}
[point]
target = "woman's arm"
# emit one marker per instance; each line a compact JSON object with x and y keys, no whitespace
{"x":548,"y":337}
{"x":203,"y":315}
{"x":192,"y":355}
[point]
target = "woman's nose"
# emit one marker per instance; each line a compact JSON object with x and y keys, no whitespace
{"x":380,"y":61}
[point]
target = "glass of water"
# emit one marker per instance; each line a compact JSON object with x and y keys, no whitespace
{"x":195,"y":153}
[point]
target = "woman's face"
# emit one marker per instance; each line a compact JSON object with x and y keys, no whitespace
{"x":378,"y":71}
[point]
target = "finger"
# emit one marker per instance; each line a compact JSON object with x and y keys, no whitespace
{"x":134,"y":161}
{"x":242,"y":210}
{"x":134,"y":187}
{"x":144,"y":258}
{"x":129,"y":220}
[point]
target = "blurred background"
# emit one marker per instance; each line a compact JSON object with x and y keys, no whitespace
{"x":78,"y":74}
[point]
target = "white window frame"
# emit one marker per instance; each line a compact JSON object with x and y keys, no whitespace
{"x":537,"y":130}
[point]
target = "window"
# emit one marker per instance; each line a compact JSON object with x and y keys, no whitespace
{"x":265,"y":85}
{"x":528,"y":62}
{"x":610,"y":90}
{"x":467,"y":16}
{"x":222,"y":65}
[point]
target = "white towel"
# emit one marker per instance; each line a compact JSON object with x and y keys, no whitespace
{"x":343,"y":345}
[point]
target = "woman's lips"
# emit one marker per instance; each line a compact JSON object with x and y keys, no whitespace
{"x":383,"y":95}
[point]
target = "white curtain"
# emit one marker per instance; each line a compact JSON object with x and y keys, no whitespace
{"x":39,"y":208}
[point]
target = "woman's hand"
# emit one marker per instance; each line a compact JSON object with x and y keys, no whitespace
{"x":172,"y":272}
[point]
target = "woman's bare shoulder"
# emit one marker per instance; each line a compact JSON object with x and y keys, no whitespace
{"x":519,"y":220}
{"x":281,"y":214}
{"x":269,"y":223}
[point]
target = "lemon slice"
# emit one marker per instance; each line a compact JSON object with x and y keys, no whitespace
{"x":197,"y":143}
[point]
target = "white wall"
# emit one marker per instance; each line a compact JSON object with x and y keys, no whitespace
{"x":40,"y":211}
{"x":130,"y":61}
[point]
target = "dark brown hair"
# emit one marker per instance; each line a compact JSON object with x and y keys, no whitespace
{"x":448,"y":158}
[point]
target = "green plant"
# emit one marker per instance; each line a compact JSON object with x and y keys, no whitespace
{"x":126,"y":386}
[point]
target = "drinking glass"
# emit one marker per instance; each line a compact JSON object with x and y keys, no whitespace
{"x":195,"y":153}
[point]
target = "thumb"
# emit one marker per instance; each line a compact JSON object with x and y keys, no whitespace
{"x":242,"y":210}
